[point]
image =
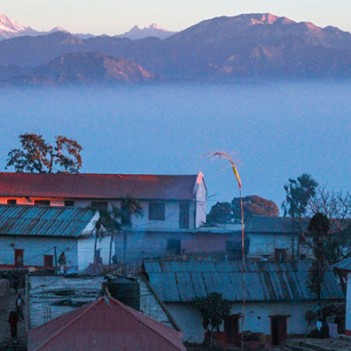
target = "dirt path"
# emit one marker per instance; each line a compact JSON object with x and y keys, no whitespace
{"x":8,"y":303}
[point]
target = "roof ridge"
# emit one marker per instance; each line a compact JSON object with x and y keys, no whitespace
{"x":139,"y":316}
{"x":102,"y":174}
{"x":73,"y":320}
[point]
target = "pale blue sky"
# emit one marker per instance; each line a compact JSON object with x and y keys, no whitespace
{"x":117,"y":16}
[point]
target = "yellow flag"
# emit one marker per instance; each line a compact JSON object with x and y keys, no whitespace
{"x":236,"y":173}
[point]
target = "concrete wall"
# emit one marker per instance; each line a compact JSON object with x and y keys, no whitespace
{"x":264,"y":244}
{"x":201,"y":199}
{"x":79,"y":252}
{"x":171,"y":221}
{"x":348,"y":305}
{"x":35,"y":248}
{"x":86,"y":250}
{"x":143,"y":245}
{"x":257,"y":318}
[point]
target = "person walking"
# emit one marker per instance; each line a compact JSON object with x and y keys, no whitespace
{"x":13,"y":324}
{"x":19,"y":306}
{"x":62,"y":262}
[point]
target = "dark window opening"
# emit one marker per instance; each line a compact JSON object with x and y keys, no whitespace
{"x":174,"y":246}
{"x":42,"y":202}
{"x":69,"y":203}
{"x":157,"y":211}
{"x":184,"y":214}
{"x":12,"y":202}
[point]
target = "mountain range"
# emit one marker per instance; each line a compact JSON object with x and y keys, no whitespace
{"x":249,"y":46}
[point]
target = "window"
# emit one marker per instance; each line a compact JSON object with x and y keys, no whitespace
{"x":69,"y":203}
{"x":233,"y":249}
{"x":12,"y":202}
{"x":42,"y":202}
{"x":174,"y":246}
{"x":157,"y":211}
{"x":99,"y":205}
{"x":184,"y":211}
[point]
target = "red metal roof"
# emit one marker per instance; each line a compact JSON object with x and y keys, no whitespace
{"x":99,"y":186}
{"x":104,"y":325}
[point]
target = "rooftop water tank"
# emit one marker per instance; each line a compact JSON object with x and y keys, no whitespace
{"x":125,"y":289}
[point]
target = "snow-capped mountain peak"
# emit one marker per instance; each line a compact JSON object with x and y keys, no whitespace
{"x":154,"y":30}
{"x":8,"y":25}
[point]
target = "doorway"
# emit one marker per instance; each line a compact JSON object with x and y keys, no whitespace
{"x":18,"y":258}
{"x":279,"y":328}
{"x":231,"y":329}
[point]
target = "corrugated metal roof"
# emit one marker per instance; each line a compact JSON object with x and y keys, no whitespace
{"x":265,"y":281}
{"x":44,"y":221}
{"x":344,"y":265}
{"x":281,"y":225}
{"x":104,"y":325}
{"x":99,"y":186}
{"x":284,"y":225}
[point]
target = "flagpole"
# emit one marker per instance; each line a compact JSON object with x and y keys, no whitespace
{"x":222,"y":154}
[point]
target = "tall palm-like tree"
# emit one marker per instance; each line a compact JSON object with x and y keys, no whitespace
{"x":130,"y":207}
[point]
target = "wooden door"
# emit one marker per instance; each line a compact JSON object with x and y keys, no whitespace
{"x":48,"y":261}
{"x":231,"y":329}
{"x":279,"y":328}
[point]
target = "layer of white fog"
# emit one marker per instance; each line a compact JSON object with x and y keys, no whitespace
{"x":274,"y":130}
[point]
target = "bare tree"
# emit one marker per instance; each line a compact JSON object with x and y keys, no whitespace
{"x":336,"y":206}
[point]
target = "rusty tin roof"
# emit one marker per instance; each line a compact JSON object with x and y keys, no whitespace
{"x":176,"y":281}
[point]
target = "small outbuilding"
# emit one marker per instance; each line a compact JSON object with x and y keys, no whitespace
{"x":47,"y":237}
{"x":276,"y":296}
{"x":344,"y":267}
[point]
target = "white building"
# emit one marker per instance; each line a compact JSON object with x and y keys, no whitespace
{"x":344,"y":267}
{"x":36,"y":236}
{"x":169,"y":202}
{"x":277,"y":238}
{"x":277,"y":296}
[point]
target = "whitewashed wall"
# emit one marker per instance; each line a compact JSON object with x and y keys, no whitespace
{"x":147,"y":245}
{"x":86,"y":250}
{"x":201,"y":199}
{"x":171,"y":221}
{"x":348,"y":305}
{"x":79,"y":252}
{"x":257,"y":318}
{"x":36,"y":248}
{"x":265,"y":244}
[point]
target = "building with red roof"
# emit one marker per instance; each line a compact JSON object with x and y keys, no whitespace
{"x":173,"y":211}
{"x":105,"y":324}
{"x":176,"y":202}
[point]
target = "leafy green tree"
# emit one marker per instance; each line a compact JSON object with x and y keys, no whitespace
{"x":319,"y":229}
{"x":299,"y":193}
{"x":213,"y":308}
{"x":36,"y":155}
{"x":116,"y":220}
{"x":254,"y":205}
{"x":221,"y":212}
{"x":129,"y":207}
